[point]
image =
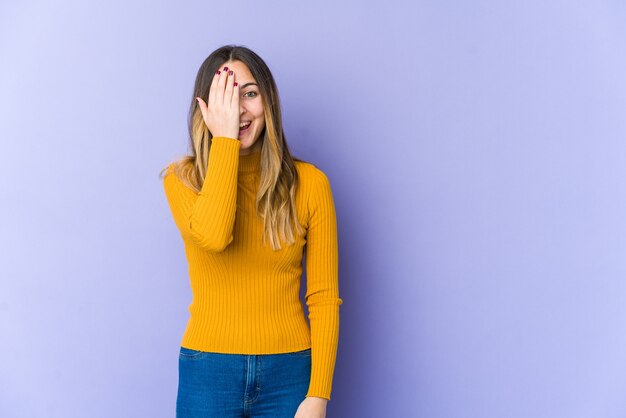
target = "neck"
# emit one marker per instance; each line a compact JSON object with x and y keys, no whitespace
{"x":251,"y":162}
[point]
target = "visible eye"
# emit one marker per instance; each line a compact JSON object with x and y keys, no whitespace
{"x":253,"y":92}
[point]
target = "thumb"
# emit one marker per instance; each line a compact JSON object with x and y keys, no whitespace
{"x":203,"y":106}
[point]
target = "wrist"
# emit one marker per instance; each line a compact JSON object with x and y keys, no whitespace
{"x":226,"y":136}
{"x":318,"y":399}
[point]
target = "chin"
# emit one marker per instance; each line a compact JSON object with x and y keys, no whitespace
{"x":247,"y":143}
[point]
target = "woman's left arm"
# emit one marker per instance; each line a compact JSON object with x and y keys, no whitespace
{"x":322,"y":295}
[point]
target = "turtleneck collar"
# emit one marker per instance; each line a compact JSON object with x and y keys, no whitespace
{"x":250,"y":163}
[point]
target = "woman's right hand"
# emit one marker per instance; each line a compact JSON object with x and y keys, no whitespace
{"x":221,"y":115}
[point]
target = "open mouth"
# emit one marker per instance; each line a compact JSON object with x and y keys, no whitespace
{"x":245,"y":127}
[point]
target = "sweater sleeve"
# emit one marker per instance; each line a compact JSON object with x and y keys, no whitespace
{"x":322,"y":295}
{"x":207,"y":218}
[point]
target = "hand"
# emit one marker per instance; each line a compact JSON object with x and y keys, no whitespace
{"x":312,"y":407}
{"x":221,"y":115}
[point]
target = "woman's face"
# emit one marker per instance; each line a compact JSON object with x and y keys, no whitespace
{"x":250,"y":107}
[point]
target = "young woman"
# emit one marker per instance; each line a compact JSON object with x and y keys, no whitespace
{"x":245,"y":208}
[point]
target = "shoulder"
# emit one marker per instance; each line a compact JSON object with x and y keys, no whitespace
{"x":170,"y":170}
{"x":170,"y":173}
{"x":173,"y":174}
{"x":315,"y":184}
{"x":310,"y":175}
{"x":179,"y":168}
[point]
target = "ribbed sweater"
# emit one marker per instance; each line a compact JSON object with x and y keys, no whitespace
{"x":245,"y":296}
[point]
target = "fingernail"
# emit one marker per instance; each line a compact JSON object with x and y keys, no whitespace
{"x":225,"y":68}
{"x":235,"y":84}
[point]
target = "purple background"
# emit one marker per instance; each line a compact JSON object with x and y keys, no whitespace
{"x":477,"y":156}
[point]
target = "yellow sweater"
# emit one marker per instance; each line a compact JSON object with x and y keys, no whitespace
{"x":245,"y":295}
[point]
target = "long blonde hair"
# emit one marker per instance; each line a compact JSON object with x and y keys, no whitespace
{"x":275,"y":199}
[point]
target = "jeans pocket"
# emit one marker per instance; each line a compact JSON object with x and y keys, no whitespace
{"x":189,"y":353}
{"x":302,"y":353}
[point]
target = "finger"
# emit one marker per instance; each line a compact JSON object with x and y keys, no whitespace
{"x":228,"y":92}
{"x":202,"y":105}
{"x":212,"y":89}
{"x":235,"y":101}
{"x":221,"y":85}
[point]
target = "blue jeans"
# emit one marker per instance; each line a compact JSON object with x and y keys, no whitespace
{"x":219,"y":385}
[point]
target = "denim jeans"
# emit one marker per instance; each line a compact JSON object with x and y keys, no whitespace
{"x":219,"y":385}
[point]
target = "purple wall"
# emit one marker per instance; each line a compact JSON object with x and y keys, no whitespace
{"x":477,"y":156}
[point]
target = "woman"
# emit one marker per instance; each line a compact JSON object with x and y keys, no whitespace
{"x":245,"y":209}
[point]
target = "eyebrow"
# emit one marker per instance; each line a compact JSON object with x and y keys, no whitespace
{"x":247,"y":84}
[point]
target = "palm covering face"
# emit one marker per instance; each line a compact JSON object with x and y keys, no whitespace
{"x":221,"y":113}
